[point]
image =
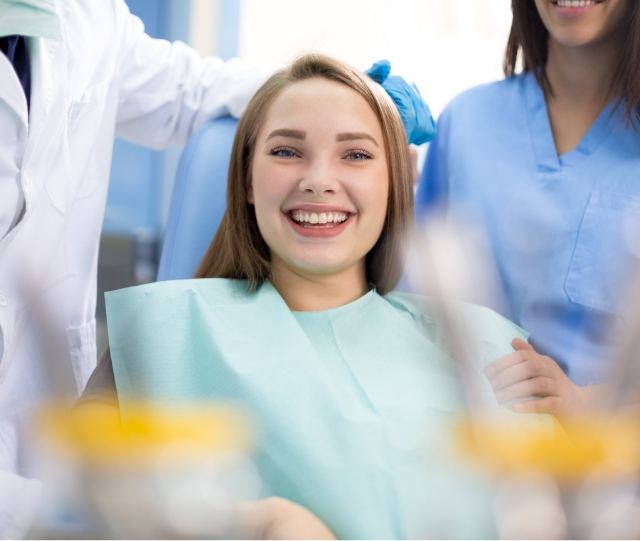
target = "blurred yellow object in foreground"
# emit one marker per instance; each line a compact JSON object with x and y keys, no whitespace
{"x":569,"y":452}
{"x":147,"y":470}
{"x":98,"y":432}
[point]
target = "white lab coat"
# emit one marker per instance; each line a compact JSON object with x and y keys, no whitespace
{"x":105,"y":77}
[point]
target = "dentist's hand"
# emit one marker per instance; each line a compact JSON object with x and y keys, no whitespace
{"x":414,"y":111}
{"x":536,"y":384}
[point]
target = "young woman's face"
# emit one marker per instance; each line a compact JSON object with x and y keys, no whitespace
{"x":319,"y":179}
{"x":576,"y":23}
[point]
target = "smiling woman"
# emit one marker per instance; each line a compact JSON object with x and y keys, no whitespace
{"x":596,"y":33}
{"x":318,"y":141}
{"x":295,"y":321}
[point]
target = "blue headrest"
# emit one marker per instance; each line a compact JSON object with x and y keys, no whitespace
{"x":198,"y":200}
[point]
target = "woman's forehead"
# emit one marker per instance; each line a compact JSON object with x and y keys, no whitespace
{"x":318,"y":101}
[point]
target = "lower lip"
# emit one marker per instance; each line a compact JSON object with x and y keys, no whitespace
{"x":319,"y":231}
{"x":573,"y":12}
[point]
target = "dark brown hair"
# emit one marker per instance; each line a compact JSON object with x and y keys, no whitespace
{"x":529,"y":38}
{"x":238,"y":249}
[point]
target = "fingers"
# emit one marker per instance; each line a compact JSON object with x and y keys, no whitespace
{"x":540,"y":386}
{"x":528,"y":367}
{"x":548,"y":404}
{"x":524,"y":374}
{"x":506,"y":371}
{"x":379,"y":71}
{"x":519,"y":344}
{"x":512,"y":359}
{"x":503,"y":363}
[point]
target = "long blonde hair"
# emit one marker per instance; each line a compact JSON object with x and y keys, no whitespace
{"x":238,"y":249}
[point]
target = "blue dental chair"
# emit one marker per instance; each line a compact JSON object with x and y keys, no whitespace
{"x":199,"y":199}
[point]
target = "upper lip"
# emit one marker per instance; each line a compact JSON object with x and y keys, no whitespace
{"x":317,"y":208}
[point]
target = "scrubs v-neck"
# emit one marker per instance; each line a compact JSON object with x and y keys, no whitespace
{"x":565,"y":230}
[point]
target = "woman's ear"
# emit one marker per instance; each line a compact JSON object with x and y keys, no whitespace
{"x":250,"y":195}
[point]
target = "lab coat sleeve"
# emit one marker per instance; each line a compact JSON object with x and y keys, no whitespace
{"x":433,"y":187}
{"x":166,"y":90}
{"x":20,"y":500}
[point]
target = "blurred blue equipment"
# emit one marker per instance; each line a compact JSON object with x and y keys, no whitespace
{"x":414,"y":111}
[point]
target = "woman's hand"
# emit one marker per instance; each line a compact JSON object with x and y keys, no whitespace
{"x":277,"y":518}
{"x":535,"y":383}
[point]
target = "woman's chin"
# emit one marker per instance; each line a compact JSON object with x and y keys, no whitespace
{"x":320,"y":269}
{"x":320,"y":265}
{"x":576,"y":38}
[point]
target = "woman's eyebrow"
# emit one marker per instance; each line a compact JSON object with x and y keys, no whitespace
{"x":350,"y":136}
{"x":285,"y":132}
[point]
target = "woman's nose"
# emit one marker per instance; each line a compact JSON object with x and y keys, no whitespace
{"x":319,"y":179}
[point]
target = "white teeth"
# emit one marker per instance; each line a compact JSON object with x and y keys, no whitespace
{"x":574,"y":3}
{"x":314,"y":218}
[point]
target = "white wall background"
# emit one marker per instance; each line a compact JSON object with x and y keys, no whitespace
{"x":444,"y":46}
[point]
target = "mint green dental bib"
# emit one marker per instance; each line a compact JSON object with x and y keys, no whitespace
{"x":353,"y":404}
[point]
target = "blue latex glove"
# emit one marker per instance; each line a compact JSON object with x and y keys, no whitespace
{"x":414,"y":111}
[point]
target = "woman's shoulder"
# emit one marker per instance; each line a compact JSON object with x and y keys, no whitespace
{"x":420,"y":306}
{"x":412,"y":303}
{"x":481,"y":322}
{"x":216,"y":290}
{"x":488,"y":98}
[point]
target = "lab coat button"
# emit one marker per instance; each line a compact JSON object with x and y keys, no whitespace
{"x":4,"y":301}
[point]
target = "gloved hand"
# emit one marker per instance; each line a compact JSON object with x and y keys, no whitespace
{"x":414,"y":111}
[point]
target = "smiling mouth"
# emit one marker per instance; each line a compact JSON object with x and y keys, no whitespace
{"x":576,"y":3}
{"x":316,"y":220}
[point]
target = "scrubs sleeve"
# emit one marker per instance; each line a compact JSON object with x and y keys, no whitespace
{"x":433,"y":187}
{"x":166,"y":90}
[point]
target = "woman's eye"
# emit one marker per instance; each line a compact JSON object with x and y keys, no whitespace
{"x":357,"y":155}
{"x":285,"y":152}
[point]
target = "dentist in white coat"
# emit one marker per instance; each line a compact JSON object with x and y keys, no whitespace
{"x":74,"y":74}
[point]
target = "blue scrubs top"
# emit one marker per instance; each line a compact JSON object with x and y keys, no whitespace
{"x":565,"y":229}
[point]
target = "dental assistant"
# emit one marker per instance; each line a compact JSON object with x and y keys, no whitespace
{"x":73,"y":75}
{"x":547,"y":161}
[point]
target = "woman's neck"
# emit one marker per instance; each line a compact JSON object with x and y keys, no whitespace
{"x":580,"y":79}
{"x":582,"y":74}
{"x":312,"y":293}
